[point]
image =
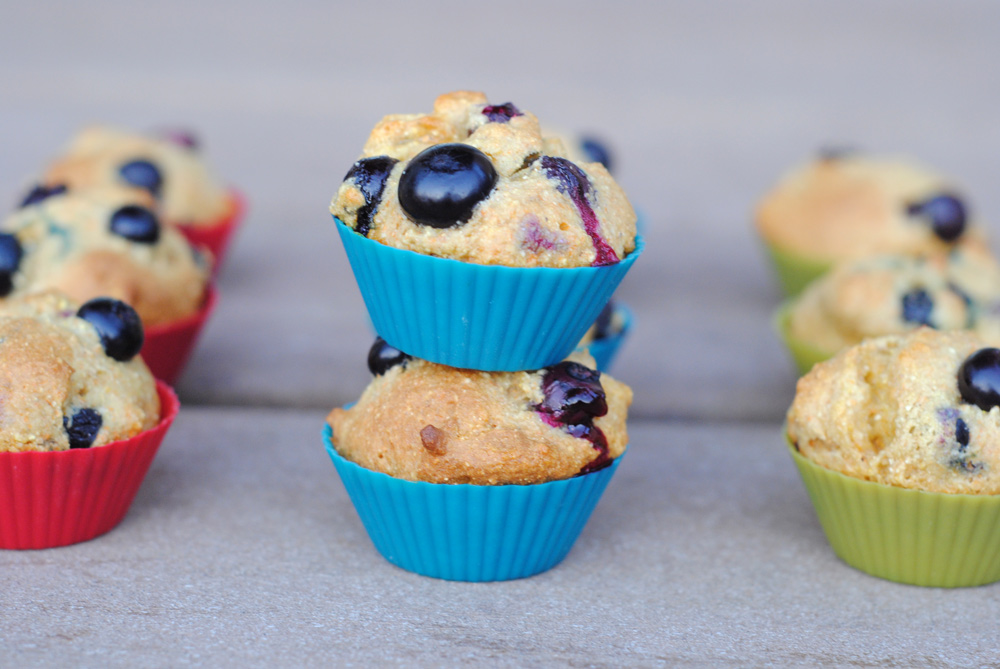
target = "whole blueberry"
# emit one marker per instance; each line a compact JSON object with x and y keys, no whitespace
{"x":917,"y":307}
{"x":382,"y":357}
{"x":443,"y":184}
{"x":573,"y":393}
{"x":596,"y":151}
{"x":946,"y":214}
{"x":10,"y":259}
{"x":42,"y":192}
{"x":142,"y":174}
{"x":82,"y":427}
{"x":117,"y":324}
{"x":136,"y":224}
{"x":979,"y":378}
{"x":501,"y":113}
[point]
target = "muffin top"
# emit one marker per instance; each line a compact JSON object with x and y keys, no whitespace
{"x":60,"y":387}
{"x":846,"y":206}
{"x":421,"y":421}
{"x":956,"y":290}
{"x":895,"y":410}
{"x":479,"y":183}
{"x":168,"y":166}
{"x":104,"y":242}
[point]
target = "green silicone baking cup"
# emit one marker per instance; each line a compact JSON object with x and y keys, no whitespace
{"x":795,"y":272}
{"x":803,"y":353}
{"x":905,"y":535}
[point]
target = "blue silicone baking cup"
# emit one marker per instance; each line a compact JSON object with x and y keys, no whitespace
{"x":462,"y":532}
{"x":486,"y":317}
{"x":605,"y":349}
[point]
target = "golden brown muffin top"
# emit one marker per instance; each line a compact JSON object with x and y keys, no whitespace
{"x":426,"y":422}
{"x":479,"y":183}
{"x":59,"y":387}
{"x":890,"y":410}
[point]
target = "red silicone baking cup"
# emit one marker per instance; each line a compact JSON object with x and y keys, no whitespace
{"x":168,"y":346}
{"x":216,"y":237}
{"x":58,"y":498}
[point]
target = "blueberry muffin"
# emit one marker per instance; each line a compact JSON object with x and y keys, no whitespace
{"x":70,"y":377}
{"x":912,"y":411}
{"x":102,"y":242}
{"x":478,"y":182}
{"x":420,"y":421}
{"x":168,"y":166}
{"x":957,"y":290}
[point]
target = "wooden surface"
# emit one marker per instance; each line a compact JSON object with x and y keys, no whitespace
{"x":242,"y":548}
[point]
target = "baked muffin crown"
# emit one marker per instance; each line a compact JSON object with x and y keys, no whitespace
{"x":478,"y":182}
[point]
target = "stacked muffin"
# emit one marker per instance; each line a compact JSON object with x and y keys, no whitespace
{"x":483,"y":255}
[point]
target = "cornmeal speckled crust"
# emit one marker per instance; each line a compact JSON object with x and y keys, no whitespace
{"x":883,"y":295}
{"x":69,"y":247}
{"x":528,"y":220}
{"x":846,"y":207}
{"x":888,"y":409}
{"x":190,"y":194}
{"x":52,"y":365}
{"x":485,"y":429}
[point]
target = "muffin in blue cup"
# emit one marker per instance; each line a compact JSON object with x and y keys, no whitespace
{"x":478,"y":476}
{"x":476,"y":242}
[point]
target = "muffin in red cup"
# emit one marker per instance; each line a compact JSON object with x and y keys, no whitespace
{"x":108,"y":242}
{"x":82,"y":418}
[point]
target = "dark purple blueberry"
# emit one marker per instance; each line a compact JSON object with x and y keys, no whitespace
{"x":10,"y":259}
{"x":962,"y":434}
{"x":573,"y":394}
{"x":501,"y":113}
{"x":602,"y":326}
{"x":574,"y":182}
{"x":142,"y":174}
{"x":946,"y":214}
{"x":917,"y":307}
{"x":82,"y":427}
{"x":136,"y":224}
{"x":42,"y":192}
{"x":382,"y":357}
{"x":180,"y":137}
{"x":979,"y":378}
{"x":117,"y":324}
{"x":443,"y":184}
{"x":370,"y":175}
{"x":596,"y":151}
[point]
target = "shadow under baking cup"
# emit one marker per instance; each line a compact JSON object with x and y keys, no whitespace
{"x":793,"y":271}
{"x":50,"y":499}
{"x":167,"y":347}
{"x":462,"y":532}
{"x":905,"y":535}
{"x":804,"y":354}
{"x":605,"y":349}
{"x":486,"y":317}
{"x":217,"y":236}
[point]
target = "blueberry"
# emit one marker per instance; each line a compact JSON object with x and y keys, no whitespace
{"x":917,"y":307}
{"x":573,"y":394}
{"x":501,"y":113}
{"x":573,"y":181}
{"x":979,"y":378}
{"x":117,"y":324}
{"x":596,"y":151}
{"x":143,"y":174}
{"x":946,"y":214}
{"x":184,"y":138}
{"x":370,"y":175}
{"x":82,"y":427}
{"x":10,"y":259}
{"x":443,"y":184}
{"x":962,"y":434}
{"x":602,"y":326}
{"x":42,"y":192}
{"x":136,"y":224}
{"x":382,"y":357}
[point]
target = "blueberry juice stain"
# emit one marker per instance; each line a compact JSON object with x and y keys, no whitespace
{"x":574,"y":183}
{"x":370,"y":175}
{"x":574,"y":397}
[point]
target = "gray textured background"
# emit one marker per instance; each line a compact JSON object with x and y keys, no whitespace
{"x":242,"y":547}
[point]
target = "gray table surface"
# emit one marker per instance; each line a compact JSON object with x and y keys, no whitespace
{"x":242,"y":548}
